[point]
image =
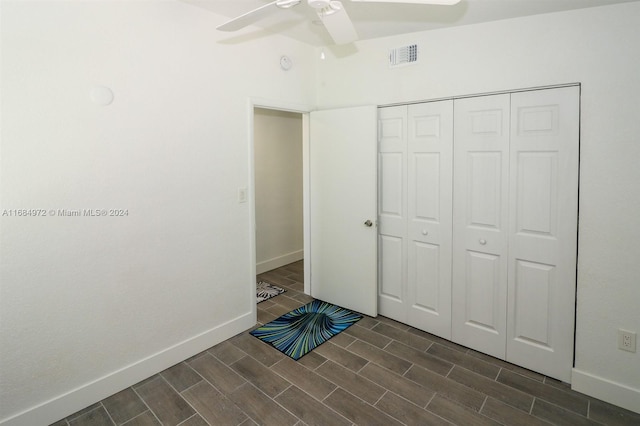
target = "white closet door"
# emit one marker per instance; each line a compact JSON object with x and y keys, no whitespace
{"x":429,"y":196}
{"x":392,"y":212}
{"x":480,"y":222}
{"x":543,"y":230}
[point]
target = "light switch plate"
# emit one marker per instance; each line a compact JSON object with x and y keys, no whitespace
{"x":242,"y":195}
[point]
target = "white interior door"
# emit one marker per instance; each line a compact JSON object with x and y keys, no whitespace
{"x":480,"y":223}
{"x":343,"y":205}
{"x":543,"y":230}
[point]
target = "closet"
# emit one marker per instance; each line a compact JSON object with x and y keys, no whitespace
{"x":478,"y":222}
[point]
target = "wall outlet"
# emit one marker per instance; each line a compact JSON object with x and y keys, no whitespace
{"x":627,"y":340}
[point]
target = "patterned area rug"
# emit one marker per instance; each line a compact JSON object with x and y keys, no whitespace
{"x":301,"y":330}
{"x":266,"y":291}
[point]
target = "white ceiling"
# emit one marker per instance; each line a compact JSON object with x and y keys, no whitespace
{"x":373,"y":20}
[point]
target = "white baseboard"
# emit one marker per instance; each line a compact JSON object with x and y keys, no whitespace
{"x":103,"y":387}
{"x":276,"y":262}
{"x":606,"y":390}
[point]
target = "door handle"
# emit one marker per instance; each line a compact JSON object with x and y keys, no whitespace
{"x":368,"y":223}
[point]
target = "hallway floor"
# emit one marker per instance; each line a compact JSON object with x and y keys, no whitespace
{"x":377,"y":372}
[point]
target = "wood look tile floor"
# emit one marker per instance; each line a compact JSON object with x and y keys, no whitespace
{"x":377,"y":372}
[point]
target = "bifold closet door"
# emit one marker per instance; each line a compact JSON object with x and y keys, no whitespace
{"x":392,"y":212}
{"x":515,"y":227}
{"x":415,"y":201}
{"x":480,"y":223}
{"x":429,"y":197}
{"x":543,"y":230}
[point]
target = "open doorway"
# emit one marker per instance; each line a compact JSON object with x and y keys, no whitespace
{"x":339,"y":164}
{"x":279,"y":194}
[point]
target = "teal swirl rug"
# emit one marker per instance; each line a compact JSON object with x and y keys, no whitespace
{"x":300,"y":331}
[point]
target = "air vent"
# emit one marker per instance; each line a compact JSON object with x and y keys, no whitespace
{"x":403,"y":55}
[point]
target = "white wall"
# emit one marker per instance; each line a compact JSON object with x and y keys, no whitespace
{"x":597,"y":47}
{"x":90,"y":305}
{"x":278,"y":188}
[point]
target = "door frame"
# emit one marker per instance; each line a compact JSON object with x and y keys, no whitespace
{"x":303,"y":110}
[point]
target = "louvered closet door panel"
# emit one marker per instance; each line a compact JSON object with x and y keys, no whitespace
{"x":543,"y":230}
{"x":429,"y":196}
{"x":392,"y":212}
{"x":480,"y":220}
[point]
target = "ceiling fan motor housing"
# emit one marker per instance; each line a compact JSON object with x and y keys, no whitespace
{"x":319,"y":4}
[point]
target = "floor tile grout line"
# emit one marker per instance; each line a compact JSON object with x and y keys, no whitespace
{"x":197,"y":413}
{"x":533,"y":399}
{"x":287,"y":380}
{"x":355,"y":396}
{"x":555,"y":389}
{"x":207,"y":381}
{"x":76,"y":415}
{"x":453,"y":364}
{"x":533,"y":403}
{"x":203,"y":379}
{"x":108,"y":413}
{"x":248,"y":383}
{"x":321,"y":364}
{"x":322,"y":401}
{"x":386,"y":391}
{"x":136,"y":416}
{"x":565,"y":409}
{"x":430,"y":399}
{"x":411,"y":402}
{"x":426,"y":351}
{"x":446,"y":376}
{"x":194,"y":385}
{"x":147,"y":405}
{"x":495,"y":379}
{"x":194,"y":408}
{"x":403,"y":375}
{"x":381,"y":366}
{"x":486,"y":397}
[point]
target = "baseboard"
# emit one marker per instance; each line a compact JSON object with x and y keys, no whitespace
{"x":279,"y":261}
{"x":90,"y":393}
{"x":606,"y":390}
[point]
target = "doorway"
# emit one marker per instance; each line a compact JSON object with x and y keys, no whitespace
{"x":278,"y":186}
{"x":352,"y":128}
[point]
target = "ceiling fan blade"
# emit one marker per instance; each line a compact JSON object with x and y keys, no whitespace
{"x":338,"y":24}
{"x":249,"y":17}
{"x":437,"y":2}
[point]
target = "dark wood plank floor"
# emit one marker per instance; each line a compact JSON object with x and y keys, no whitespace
{"x":377,"y":372}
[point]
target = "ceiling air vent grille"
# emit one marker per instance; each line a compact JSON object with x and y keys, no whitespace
{"x":403,"y":55}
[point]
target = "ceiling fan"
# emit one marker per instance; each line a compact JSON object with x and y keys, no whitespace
{"x":331,"y":13}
